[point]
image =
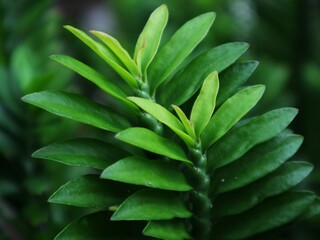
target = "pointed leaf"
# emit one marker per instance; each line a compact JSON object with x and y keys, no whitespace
{"x":150,"y":141}
{"x":257,"y":163}
{"x":167,"y":229}
{"x":79,"y":108}
{"x":90,"y":191}
{"x":96,"y":226}
{"x":93,"y":76}
{"x":151,"y":205}
{"x":185,"y":121}
{"x":192,"y":76}
{"x":150,"y":173}
{"x":83,"y":152}
{"x":178,"y":48}
{"x":230,"y":113}
{"x":234,"y":77}
{"x":205,"y":103}
{"x":279,"y":181}
{"x":149,"y":39}
{"x":269,"y":214}
{"x":119,"y":51}
{"x":239,"y":140}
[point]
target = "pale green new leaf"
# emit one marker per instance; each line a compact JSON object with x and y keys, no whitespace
{"x":150,"y":141}
{"x":79,"y":108}
{"x":82,"y":152}
{"x":185,"y":121}
{"x":90,"y":191}
{"x":205,"y":103}
{"x":181,"y":44}
{"x":149,"y":39}
{"x":174,"y":229}
{"x":193,"y":75}
{"x":239,"y":140}
{"x":150,"y":173}
{"x":230,"y":113}
{"x":152,"y":204}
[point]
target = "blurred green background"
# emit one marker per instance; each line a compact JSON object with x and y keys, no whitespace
{"x":284,"y":36}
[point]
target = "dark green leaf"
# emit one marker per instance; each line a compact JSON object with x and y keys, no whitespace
{"x":179,"y":47}
{"x":269,"y":214}
{"x":79,"y":108}
{"x":192,"y":77}
{"x":313,"y":210}
{"x":151,"y":205}
{"x":90,"y":191}
{"x":150,"y":173}
{"x":82,"y":152}
{"x":279,"y":181}
{"x":239,"y":140}
{"x":171,"y":229}
{"x":257,"y":163}
{"x":150,"y":141}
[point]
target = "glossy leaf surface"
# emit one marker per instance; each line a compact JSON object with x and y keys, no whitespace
{"x":78,"y":108}
{"x":150,"y":173}
{"x":151,"y":205}
{"x":185,"y":121}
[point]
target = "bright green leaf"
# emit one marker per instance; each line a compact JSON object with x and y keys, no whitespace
{"x":269,"y":214}
{"x":79,"y":108}
{"x":258,"y":162}
{"x":149,"y":39}
{"x":167,"y":229}
{"x":185,"y":121}
{"x":178,"y":48}
{"x":151,"y":205}
{"x":83,"y":152}
{"x":150,"y":141}
{"x":192,"y":77}
{"x":279,"y":181}
{"x":205,"y":103}
{"x":150,"y":173}
{"x":230,"y":113}
{"x":239,"y":140}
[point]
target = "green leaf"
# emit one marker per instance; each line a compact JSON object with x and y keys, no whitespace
{"x":185,"y":121}
{"x":167,"y":229}
{"x":150,"y":173}
{"x":279,"y":181}
{"x":239,"y":140}
{"x":96,"y":226}
{"x":258,"y":162}
{"x":151,"y":204}
{"x":149,"y":39}
{"x":150,"y":141}
{"x":79,"y":108}
{"x":82,"y":152}
{"x":269,"y":214}
{"x":178,"y":48}
{"x":119,"y":51}
{"x":313,"y":210}
{"x":191,"y":77}
{"x":234,"y":77}
{"x":106,"y":54}
{"x":90,"y":191}
{"x":230,"y":113}
{"x":164,"y":116}
{"x":93,"y":76}
{"x":205,"y":103}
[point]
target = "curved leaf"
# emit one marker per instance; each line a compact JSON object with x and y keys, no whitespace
{"x":149,"y":39}
{"x":178,"y":48}
{"x":167,"y":229}
{"x":79,"y":108}
{"x":151,"y":205}
{"x":192,"y":76}
{"x":150,"y":173}
{"x":83,"y":152}
{"x":150,"y":141}
{"x":230,"y":113}
{"x":205,"y":103}
{"x":239,"y":140}
{"x":185,"y":121}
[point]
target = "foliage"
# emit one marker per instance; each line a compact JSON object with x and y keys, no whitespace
{"x":213,"y":175}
